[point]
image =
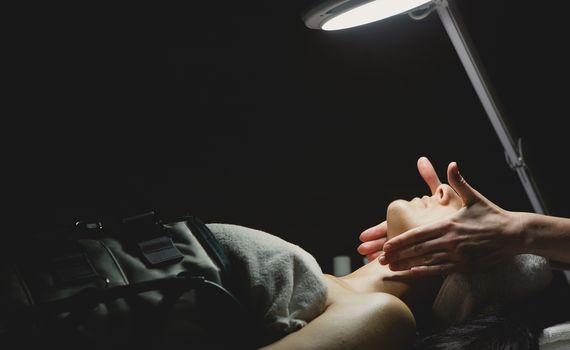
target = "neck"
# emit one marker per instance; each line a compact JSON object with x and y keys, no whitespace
{"x":416,"y":292}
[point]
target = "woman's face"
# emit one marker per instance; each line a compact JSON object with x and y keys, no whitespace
{"x":403,"y":215}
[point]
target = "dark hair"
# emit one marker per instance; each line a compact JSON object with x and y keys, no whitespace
{"x":516,"y":326}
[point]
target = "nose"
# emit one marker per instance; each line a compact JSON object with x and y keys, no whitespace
{"x":442,"y":191}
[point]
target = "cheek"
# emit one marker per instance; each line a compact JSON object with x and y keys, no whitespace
{"x":401,"y":216}
{"x":435,"y":214}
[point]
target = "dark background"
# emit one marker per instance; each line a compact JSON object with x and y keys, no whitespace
{"x":238,"y":113}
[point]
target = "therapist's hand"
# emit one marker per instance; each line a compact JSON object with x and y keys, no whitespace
{"x":475,"y":238}
{"x":373,"y":238}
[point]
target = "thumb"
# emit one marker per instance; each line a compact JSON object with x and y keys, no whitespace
{"x":467,"y":193}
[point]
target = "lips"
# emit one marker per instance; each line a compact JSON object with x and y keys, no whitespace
{"x":422,"y":200}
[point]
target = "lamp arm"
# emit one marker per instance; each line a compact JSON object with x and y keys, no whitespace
{"x":451,"y":20}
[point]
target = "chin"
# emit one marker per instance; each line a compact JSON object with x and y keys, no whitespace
{"x":399,"y":217}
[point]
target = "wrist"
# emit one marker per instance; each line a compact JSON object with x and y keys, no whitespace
{"x":524,"y":237}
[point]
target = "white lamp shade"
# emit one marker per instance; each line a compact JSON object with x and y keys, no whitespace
{"x":339,"y":14}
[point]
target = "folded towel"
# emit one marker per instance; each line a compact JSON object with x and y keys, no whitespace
{"x":281,"y":283}
{"x":557,"y":333}
{"x":463,"y":295}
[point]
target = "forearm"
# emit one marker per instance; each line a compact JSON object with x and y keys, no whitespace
{"x":547,"y":236}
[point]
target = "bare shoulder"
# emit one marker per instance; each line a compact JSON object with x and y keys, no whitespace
{"x":380,"y":313}
{"x":356,"y":321}
{"x":379,"y":304}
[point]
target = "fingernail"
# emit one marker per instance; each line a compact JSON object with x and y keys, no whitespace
{"x":458,"y":172}
{"x":387,"y":247}
{"x":382,"y":259}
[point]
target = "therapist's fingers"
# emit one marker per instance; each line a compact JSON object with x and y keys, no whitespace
{"x":417,"y":250}
{"x":418,"y":235}
{"x":467,"y":193}
{"x":425,"y":260}
{"x":429,"y":174}
{"x":371,"y":247}
{"x":373,"y":240}
{"x":443,"y":262}
{"x":454,"y":264}
{"x":433,"y":270}
{"x":374,"y":232}
{"x":373,"y":256}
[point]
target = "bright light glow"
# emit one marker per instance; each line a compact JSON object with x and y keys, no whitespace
{"x":371,"y":12}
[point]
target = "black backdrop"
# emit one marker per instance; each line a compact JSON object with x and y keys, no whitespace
{"x":236,"y":112}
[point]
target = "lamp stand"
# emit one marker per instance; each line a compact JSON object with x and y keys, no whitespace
{"x":449,"y":15}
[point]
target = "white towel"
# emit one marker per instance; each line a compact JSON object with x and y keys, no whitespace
{"x":463,"y":295}
{"x":283,"y":284}
{"x":556,"y":335}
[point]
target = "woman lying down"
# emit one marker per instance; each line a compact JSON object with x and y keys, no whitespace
{"x":373,"y":307}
